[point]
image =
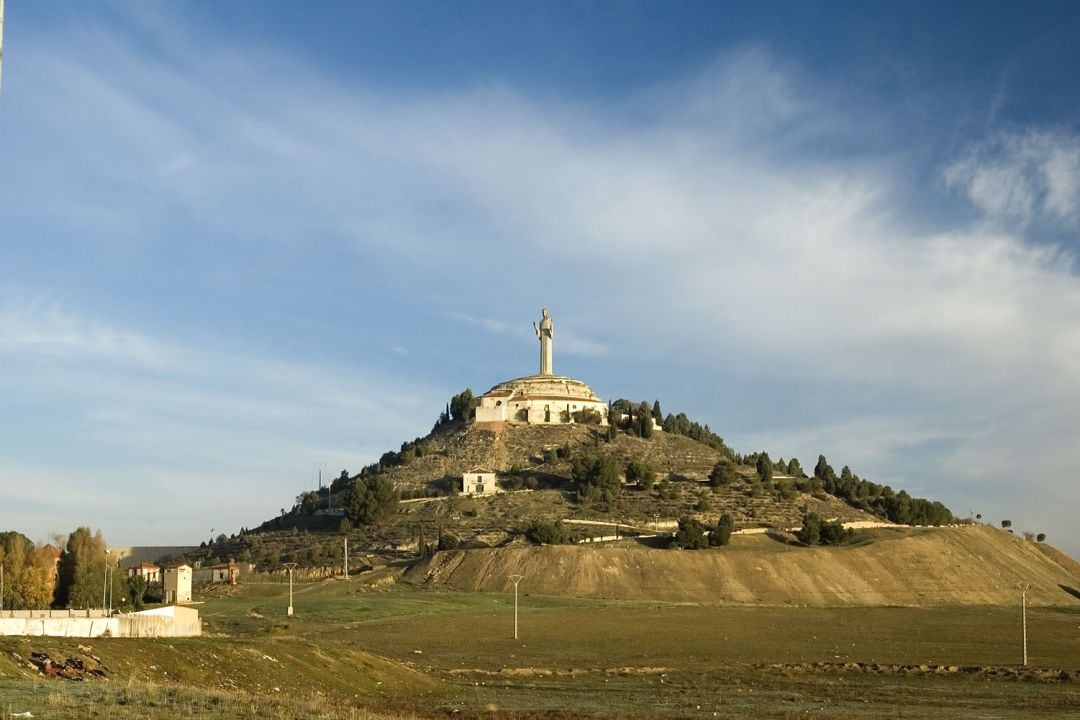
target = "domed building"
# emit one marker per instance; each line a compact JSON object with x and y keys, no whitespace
{"x":544,"y":398}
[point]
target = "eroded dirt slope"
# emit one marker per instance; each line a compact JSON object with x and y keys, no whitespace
{"x":975,"y":565}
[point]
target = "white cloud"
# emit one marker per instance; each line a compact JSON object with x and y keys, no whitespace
{"x":1021,"y":177}
{"x":42,"y":325}
{"x":699,"y":224}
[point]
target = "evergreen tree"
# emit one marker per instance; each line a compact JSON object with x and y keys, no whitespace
{"x":370,"y":499}
{"x":644,"y":420}
{"x":723,"y":473}
{"x":463,"y":406}
{"x":721,"y":534}
{"x":82,"y":570}
{"x":810,"y":532}
{"x":764,"y":469}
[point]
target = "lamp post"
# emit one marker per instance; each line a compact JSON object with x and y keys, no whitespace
{"x":105,"y":586}
{"x":1024,"y":587}
{"x":290,"y":566}
{"x":110,"y":583}
{"x":516,"y":579}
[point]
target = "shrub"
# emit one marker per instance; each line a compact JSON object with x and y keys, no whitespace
{"x":640,"y":472}
{"x":833,"y":533}
{"x":691,"y":535}
{"x":723,"y":473}
{"x":1040,"y":537}
{"x":447,"y":541}
{"x":588,"y":416}
{"x":542,"y":532}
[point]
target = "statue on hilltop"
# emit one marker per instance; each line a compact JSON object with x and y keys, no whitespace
{"x":544,"y":331}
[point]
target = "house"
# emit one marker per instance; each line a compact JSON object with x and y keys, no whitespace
{"x":480,"y":482}
{"x":177,"y":583}
{"x":225,"y":573}
{"x":147,"y":571}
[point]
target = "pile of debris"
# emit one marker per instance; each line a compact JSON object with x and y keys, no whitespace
{"x":71,"y":669}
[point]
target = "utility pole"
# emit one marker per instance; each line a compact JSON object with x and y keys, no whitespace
{"x":516,"y":579}
{"x":105,"y":587}
{"x":346,"y":558}
{"x":290,"y":566}
{"x":1024,"y":587}
{"x":1,"y":564}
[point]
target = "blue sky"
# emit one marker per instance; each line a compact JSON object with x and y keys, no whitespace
{"x":240,"y":239}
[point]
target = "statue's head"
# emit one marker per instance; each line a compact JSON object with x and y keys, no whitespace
{"x":545,"y":312}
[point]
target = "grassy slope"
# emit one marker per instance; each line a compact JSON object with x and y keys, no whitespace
{"x":975,"y":565}
{"x":452,"y":652}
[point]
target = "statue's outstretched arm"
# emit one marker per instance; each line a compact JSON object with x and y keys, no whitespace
{"x":536,"y":329}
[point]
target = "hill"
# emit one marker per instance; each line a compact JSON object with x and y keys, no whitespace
{"x":968,"y":565}
{"x":537,"y":459}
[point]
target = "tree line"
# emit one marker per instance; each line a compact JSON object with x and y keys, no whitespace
{"x":86,"y":576}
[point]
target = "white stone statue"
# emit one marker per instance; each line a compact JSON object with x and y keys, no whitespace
{"x":545,"y":330}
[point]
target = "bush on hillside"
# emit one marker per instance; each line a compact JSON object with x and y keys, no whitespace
{"x":691,"y":535}
{"x":816,"y":531}
{"x":640,"y":472}
{"x":723,"y":473}
{"x":542,"y":532}
{"x":597,"y":478}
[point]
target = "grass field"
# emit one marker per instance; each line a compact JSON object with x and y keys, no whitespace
{"x":452,"y":654}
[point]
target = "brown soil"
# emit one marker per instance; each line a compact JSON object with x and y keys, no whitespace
{"x":972,"y":565}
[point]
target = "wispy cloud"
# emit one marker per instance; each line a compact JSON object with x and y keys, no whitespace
{"x":1021,"y":177}
{"x":720,"y":223}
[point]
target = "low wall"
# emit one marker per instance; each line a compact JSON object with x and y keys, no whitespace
{"x":93,"y":623}
{"x":82,"y":627}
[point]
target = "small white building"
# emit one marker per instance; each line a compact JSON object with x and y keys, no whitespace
{"x":177,"y":579}
{"x":480,"y":483}
{"x":148,"y":571}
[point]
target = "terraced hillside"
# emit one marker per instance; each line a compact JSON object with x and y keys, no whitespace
{"x":454,"y":450}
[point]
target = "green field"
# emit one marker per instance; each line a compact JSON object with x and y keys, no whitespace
{"x":452,"y":654}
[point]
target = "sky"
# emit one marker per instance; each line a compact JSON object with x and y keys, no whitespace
{"x":241,"y":242}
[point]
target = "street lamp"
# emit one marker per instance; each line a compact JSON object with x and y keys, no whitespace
{"x":105,"y":586}
{"x":516,"y":579}
{"x":290,"y":566}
